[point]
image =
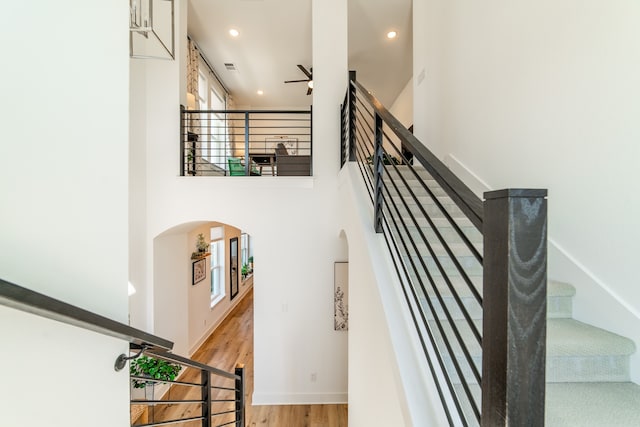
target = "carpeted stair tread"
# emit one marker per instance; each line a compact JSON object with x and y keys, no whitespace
{"x":592,"y":405}
{"x":569,"y":337}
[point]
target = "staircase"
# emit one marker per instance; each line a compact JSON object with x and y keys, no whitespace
{"x":587,"y":368}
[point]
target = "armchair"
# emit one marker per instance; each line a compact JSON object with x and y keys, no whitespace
{"x":288,"y":165}
{"x":236,"y":168}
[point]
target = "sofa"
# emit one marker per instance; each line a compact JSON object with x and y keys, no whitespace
{"x":291,"y":165}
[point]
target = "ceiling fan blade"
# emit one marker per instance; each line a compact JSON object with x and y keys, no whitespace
{"x":295,"y":81}
{"x":304,"y":70}
{"x":309,"y":90}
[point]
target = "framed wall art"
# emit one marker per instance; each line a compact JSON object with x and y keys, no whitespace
{"x":198,"y":270}
{"x":233,"y":267}
{"x":341,"y":296}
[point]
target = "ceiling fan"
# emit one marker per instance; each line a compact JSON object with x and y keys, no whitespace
{"x":309,"y":79}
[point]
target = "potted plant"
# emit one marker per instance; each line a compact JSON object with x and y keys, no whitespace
{"x":387,"y":159}
{"x":202,"y":244}
{"x":201,"y":247}
{"x":149,"y":367}
{"x":244,"y":271}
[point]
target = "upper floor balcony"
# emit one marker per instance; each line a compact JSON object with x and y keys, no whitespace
{"x":246,"y":143}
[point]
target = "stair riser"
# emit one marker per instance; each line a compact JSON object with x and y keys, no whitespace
{"x":560,"y":307}
{"x":419,"y":191}
{"x":447,"y":232}
{"x":469,"y":265}
{"x":458,"y":249}
{"x":587,"y":369}
{"x":424,"y":199}
{"x":554,"y":310}
{"x":409,"y":175}
{"x":560,"y":369}
{"x":432,"y":210}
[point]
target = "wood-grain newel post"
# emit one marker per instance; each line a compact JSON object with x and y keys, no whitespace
{"x":514,"y":308}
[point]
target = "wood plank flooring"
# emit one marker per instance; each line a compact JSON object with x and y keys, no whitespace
{"x":229,"y":345}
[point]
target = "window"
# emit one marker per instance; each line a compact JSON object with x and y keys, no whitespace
{"x":218,"y":129}
{"x":203,"y":102}
{"x":217,"y":265}
{"x":212,"y":96}
{"x":245,"y":250}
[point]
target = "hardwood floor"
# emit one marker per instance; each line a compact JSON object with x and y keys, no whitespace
{"x":229,"y":345}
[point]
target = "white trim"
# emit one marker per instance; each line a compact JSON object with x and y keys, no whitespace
{"x":299,"y":398}
{"x":596,"y":279}
{"x":213,"y":327}
{"x":216,"y":300}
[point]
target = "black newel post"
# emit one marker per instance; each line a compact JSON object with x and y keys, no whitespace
{"x":206,"y":398}
{"x":378,"y":168}
{"x":247,"y":166}
{"x":239,"y":396}
{"x":514,"y":308}
{"x":352,"y":117}
{"x":183,"y":136}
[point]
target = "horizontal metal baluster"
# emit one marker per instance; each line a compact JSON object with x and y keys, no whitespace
{"x":441,"y":363}
{"x":453,"y":223}
{"x":165,"y":402}
{"x":459,"y":267}
{"x":164,"y":423}
{"x":437,"y":320}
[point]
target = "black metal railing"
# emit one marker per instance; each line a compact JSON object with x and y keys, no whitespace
{"x":245,"y":143}
{"x":473,"y":273}
{"x":18,"y":297}
{"x":212,"y":385}
{"x":201,"y":395}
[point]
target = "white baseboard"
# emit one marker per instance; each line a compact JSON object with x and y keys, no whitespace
{"x":209,"y":331}
{"x":299,"y":398}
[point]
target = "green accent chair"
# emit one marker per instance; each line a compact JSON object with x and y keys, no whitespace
{"x":236,"y":168}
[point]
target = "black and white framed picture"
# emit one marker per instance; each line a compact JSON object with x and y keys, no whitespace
{"x":233,"y":267}
{"x":341,"y":296}
{"x":199,"y":270}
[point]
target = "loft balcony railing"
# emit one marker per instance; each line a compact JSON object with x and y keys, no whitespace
{"x":206,"y":396}
{"x":472,"y":271}
{"x":246,"y":143}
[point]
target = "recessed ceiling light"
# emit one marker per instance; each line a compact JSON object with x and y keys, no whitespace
{"x":260,"y":92}
{"x":234,"y":32}
{"x":392,"y":35}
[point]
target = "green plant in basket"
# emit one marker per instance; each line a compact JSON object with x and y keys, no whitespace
{"x":149,"y":367}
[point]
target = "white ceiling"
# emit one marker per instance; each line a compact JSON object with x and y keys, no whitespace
{"x":275,"y":35}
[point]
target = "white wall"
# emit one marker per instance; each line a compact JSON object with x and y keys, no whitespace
{"x":293,"y":222}
{"x":63,"y":220}
{"x":387,"y":369}
{"x":546,"y":94}
{"x":402,"y":107}
{"x":137,"y":195}
{"x":171,"y":292}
